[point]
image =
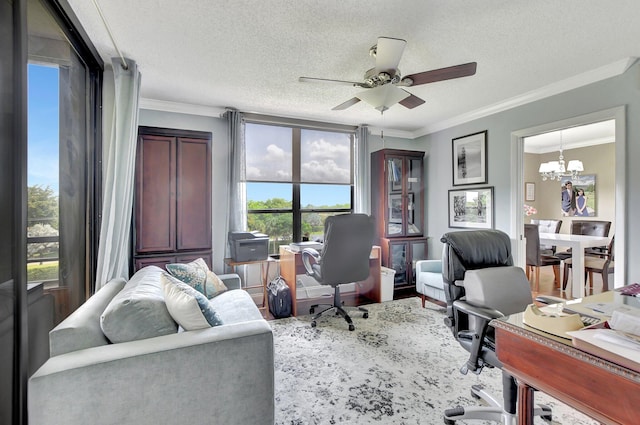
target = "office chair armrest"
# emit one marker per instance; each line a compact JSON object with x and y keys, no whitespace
{"x":483,"y":316}
{"x":309,"y":254}
{"x":484,"y":313}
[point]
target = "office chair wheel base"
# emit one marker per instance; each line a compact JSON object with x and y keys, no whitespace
{"x":449,"y":421}
{"x":352,"y":327}
{"x":365,"y":316}
{"x":313,"y":324}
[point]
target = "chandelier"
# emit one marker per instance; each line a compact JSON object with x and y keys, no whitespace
{"x":556,"y":169}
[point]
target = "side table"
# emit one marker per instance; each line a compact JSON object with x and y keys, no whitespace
{"x":264,"y":277}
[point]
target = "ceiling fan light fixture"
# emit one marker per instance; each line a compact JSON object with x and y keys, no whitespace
{"x":406,"y":81}
{"x":383,"y":97}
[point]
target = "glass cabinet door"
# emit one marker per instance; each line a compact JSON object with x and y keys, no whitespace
{"x":396,"y":207}
{"x":404,"y":196}
{"x":414,"y":196}
{"x":398,"y":253}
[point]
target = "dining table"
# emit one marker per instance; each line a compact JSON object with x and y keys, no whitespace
{"x":577,"y":243}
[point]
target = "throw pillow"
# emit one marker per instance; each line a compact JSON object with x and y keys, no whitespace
{"x":138,"y":311}
{"x":188,"y":307}
{"x":197,"y":275}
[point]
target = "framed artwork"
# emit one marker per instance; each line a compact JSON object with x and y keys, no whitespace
{"x":395,"y":208}
{"x":529,"y":191}
{"x":583,"y":201}
{"x":471,"y":208}
{"x":469,"y":159}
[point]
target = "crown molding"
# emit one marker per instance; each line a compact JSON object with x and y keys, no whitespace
{"x":180,"y":108}
{"x":390,"y":132}
{"x":580,"y":80}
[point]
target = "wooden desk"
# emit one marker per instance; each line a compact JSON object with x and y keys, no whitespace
{"x":264,"y":277}
{"x":601,"y":389}
{"x":577,"y":243}
{"x":291,"y":266}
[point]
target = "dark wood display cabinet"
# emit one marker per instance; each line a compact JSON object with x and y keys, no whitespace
{"x":397,"y":204}
{"x":172,"y":204}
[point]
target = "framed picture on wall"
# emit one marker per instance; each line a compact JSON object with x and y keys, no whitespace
{"x":529,"y":191}
{"x":582,"y":203}
{"x":469,"y":159}
{"x":471,"y":208}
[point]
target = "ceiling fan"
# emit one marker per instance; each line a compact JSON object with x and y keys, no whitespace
{"x":383,"y":83}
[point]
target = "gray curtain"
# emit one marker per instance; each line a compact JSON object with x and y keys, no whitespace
{"x":119,"y":156}
{"x":362,"y":172}
{"x":237,"y":207}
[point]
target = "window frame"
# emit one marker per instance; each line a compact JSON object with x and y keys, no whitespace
{"x":296,"y":209}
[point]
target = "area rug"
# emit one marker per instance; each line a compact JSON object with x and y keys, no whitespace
{"x":400,"y":366}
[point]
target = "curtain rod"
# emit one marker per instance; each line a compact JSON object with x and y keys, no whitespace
{"x":124,"y":64}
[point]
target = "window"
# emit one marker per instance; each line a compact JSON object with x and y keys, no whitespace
{"x":43,"y":182}
{"x":296,"y":177}
{"x":64,"y":80}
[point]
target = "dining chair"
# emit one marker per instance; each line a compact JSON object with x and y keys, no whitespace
{"x":535,"y":258}
{"x":547,"y":226}
{"x":587,"y":227}
{"x":603,"y":264}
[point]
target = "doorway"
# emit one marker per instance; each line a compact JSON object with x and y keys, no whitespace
{"x":518,"y":195}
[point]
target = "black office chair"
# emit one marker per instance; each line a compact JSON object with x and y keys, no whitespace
{"x":481,"y":284}
{"x":348,"y":239}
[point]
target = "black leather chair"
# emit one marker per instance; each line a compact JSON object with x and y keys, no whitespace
{"x":348,"y":239}
{"x":536,"y":259}
{"x":481,"y":284}
{"x":587,"y":227}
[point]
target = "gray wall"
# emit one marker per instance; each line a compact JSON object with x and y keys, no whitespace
{"x":610,"y":93}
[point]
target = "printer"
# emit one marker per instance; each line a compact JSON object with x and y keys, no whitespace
{"x":248,"y":246}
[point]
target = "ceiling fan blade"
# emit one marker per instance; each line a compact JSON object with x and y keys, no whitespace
{"x":326,"y":80}
{"x":411,"y":102}
{"x":442,"y":74}
{"x":346,"y":104}
{"x":388,"y":54}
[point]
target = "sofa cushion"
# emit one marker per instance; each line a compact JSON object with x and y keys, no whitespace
{"x":188,"y":307}
{"x":235,"y":306}
{"x":139,"y":310}
{"x":197,"y":275}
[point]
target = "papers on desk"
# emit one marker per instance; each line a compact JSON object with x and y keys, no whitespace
{"x":617,"y":340}
{"x":608,"y":344}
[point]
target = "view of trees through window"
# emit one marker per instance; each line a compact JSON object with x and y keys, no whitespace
{"x":42,"y":177}
{"x":296,"y":178}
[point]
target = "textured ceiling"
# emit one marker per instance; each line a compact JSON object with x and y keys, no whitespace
{"x":204,"y":55}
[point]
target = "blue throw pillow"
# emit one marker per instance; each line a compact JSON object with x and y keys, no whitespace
{"x":197,"y":275}
{"x":188,"y":307}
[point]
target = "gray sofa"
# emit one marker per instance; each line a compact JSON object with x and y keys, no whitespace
{"x":219,"y":375}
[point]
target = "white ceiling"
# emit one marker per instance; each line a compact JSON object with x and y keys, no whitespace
{"x":200,"y":56}
{"x":572,"y":138}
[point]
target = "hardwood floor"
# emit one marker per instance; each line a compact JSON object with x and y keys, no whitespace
{"x":547,"y":286}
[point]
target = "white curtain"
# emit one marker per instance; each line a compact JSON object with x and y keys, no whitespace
{"x":362,"y":174}
{"x":119,"y":155}
{"x":237,"y":208}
